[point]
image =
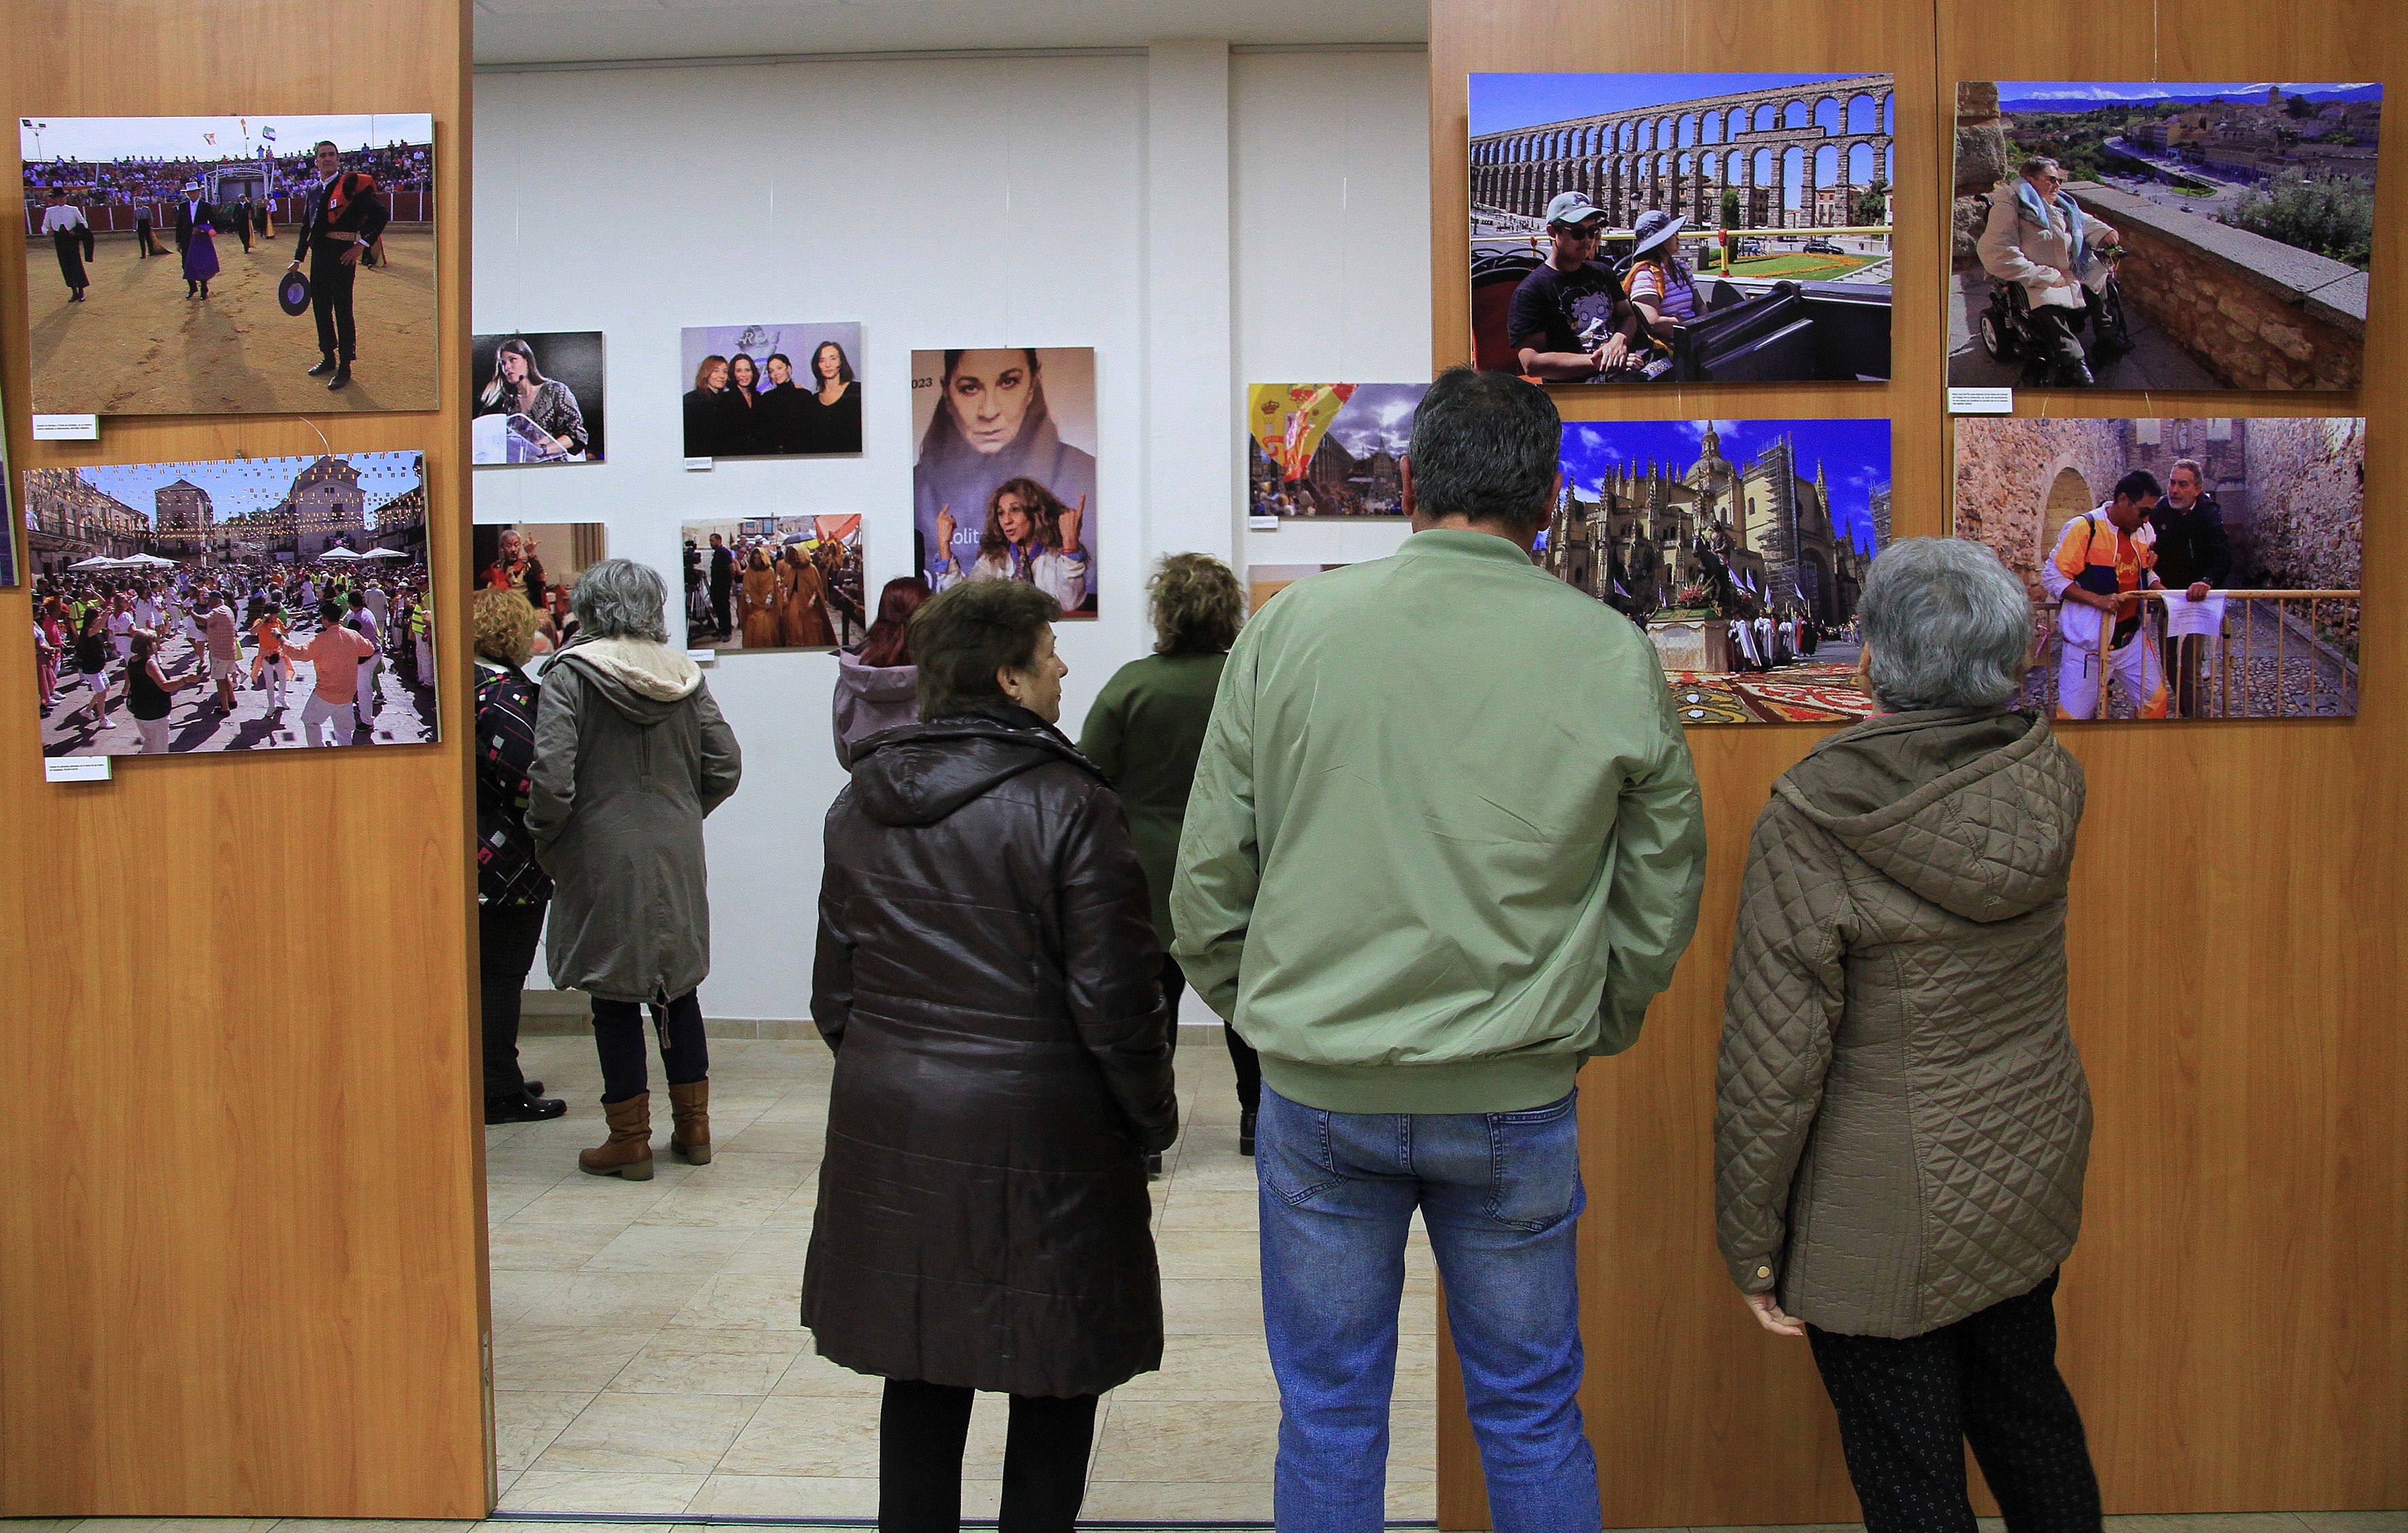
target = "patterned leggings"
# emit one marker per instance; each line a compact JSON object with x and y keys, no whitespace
{"x":1908,"y":1405}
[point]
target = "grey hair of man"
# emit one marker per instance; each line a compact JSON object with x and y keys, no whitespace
{"x":1947,"y":624}
{"x":1485,"y":447}
{"x":2036,"y":164}
{"x":620,"y":598}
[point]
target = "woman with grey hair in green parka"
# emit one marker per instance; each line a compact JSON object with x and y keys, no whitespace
{"x":1902,"y":1122}
{"x":630,"y":754}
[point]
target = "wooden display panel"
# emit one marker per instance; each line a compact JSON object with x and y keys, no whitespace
{"x":242,"y":1248}
{"x":2231,"y":1319}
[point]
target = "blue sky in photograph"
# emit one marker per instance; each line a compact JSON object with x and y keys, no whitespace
{"x":1500,"y":102}
{"x":2076,"y":91}
{"x":1854,"y":455}
{"x":237,"y":485}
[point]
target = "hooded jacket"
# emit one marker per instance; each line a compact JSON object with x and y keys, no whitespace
{"x":871,"y":698}
{"x":988,"y":976}
{"x":1901,"y":1123}
{"x":630,"y":754}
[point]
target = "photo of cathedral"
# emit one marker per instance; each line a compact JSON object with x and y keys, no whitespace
{"x":1741,"y":546}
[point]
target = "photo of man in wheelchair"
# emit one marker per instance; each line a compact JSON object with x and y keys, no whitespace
{"x":2054,"y":267}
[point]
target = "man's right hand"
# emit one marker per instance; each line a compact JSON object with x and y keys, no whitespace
{"x":295,"y":266}
{"x":1609,"y":356}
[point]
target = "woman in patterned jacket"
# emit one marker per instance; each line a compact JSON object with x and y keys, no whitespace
{"x":512,"y":891}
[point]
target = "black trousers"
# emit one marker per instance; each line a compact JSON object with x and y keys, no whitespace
{"x":619,"y":1040}
{"x":142,"y":246}
{"x":330,"y":298}
{"x":507,"y":936}
{"x":722,"y":599}
{"x":921,"y":1429}
{"x":1908,"y":1406}
{"x":2055,"y":349}
{"x":1242,"y":1054}
{"x":2185,"y":656}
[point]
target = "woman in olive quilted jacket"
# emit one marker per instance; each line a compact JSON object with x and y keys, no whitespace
{"x":1901,"y":1123}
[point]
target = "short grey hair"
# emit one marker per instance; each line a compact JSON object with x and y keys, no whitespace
{"x":620,"y":598}
{"x":1948,"y":625}
{"x":2036,"y":164}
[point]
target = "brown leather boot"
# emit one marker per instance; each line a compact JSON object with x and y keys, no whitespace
{"x":690,"y":1135}
{"x":628,"y":1151}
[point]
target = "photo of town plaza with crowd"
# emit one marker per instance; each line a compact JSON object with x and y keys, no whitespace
{"x":1740,"y":546}
{"x":247,"y":604}
{"x":773,"y":582}
{"x":1329,"y":449}
{"x":2162,"y":235}
{"x":1684,"y":228}
{"x":2180,"y":567}
{"x":201,"y":266}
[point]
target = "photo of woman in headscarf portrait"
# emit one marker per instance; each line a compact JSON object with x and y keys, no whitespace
{"x":1004,"y":484}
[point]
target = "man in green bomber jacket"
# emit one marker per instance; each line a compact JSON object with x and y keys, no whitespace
{"x":1444,"y":846}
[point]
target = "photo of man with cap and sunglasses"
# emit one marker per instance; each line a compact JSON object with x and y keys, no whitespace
{"x":1570,"y":322}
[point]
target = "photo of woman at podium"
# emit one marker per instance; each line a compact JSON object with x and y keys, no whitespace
{"x":540,"y":399}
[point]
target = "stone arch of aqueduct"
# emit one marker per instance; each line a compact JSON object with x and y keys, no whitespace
{"x":1680,"y":156}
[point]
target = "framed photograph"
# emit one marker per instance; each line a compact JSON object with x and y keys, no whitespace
{"x":771,"y":391}
{"x":541,"y":561}
{"x":2180,"y":567}
{"x":251,"y":603}
{"x":1740,"y":546}
{"x":231,"y":266}
{"x":1328,"y":448}
{"x":1682,"y":228}
{"x":773,"y":582}
{"x":1264,"y":581}
{"x":1003,"y":478}
{"x":538,"y":398}
{"x":2149,"y":235}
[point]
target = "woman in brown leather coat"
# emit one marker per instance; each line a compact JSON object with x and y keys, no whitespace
{"x":988,"y":976}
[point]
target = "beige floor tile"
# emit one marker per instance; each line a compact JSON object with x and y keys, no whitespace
{"x":667,"y":1248}
{"x":2209,"y":1522}
{"x":38,"y":1525}
{"x":525,"y":1422}
{"x":1412,"y":1441}
{"x":815,"y":1434}
{"x":543,"y":1490}
{"x":617,"y":1300}
{"x":813,"y":1375}
{"x":709,"y":1362}
{"x":787,"y":1496}
{"x":797,"y":1211}
{"x":770,"y":1252}
{"x":2354,"y":1522}
{"x":1209,"y":1211}
{"x":1410,"y":1501}
{"x":1176,"y":1440}
{"x":1218,"y":1169}
{"x":648,"y":1434}
{"x":1211,"y":1307}
{"x":1232,"y":1253}
{"x":746,"y":1301}
{"x":709,"y":1201}
{"x":1207,"y":1368}
{"x":507,"y":1195}
{"x":176,"y":1525}
{"x":596,"y":1202}
{"x":513,"y":1291}
{"x":545,"y":1248}
{"x":1190,"y":1501}
{"x":562,"y":1359}
{"x":364,"y":1525}
{"x":1416,"y":1367}
{"x":767,"y":1136}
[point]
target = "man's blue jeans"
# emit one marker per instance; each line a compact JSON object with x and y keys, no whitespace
{"x":1500,"y":1193}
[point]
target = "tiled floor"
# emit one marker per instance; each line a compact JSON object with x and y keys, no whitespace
{"x":647,"y":1357}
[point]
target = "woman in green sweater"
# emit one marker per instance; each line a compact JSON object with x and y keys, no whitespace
{"x":1145,"y":731}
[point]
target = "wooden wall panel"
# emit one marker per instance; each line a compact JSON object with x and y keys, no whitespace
{"x":241,"y":1252}
{"x":2231,"y":1318}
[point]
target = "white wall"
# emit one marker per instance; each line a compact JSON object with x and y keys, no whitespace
{"x":1048,"y":201}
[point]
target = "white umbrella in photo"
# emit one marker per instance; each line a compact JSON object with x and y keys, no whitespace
{"x":384,"y":553}
{"x":150,"y":559}
{"x":333,"y":554}
{"x":96,"y":562}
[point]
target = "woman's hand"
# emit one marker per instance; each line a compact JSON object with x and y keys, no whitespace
{"x":944,"y":535}
{"x":1768,"y":1314}
{"x":1069,"y":525}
